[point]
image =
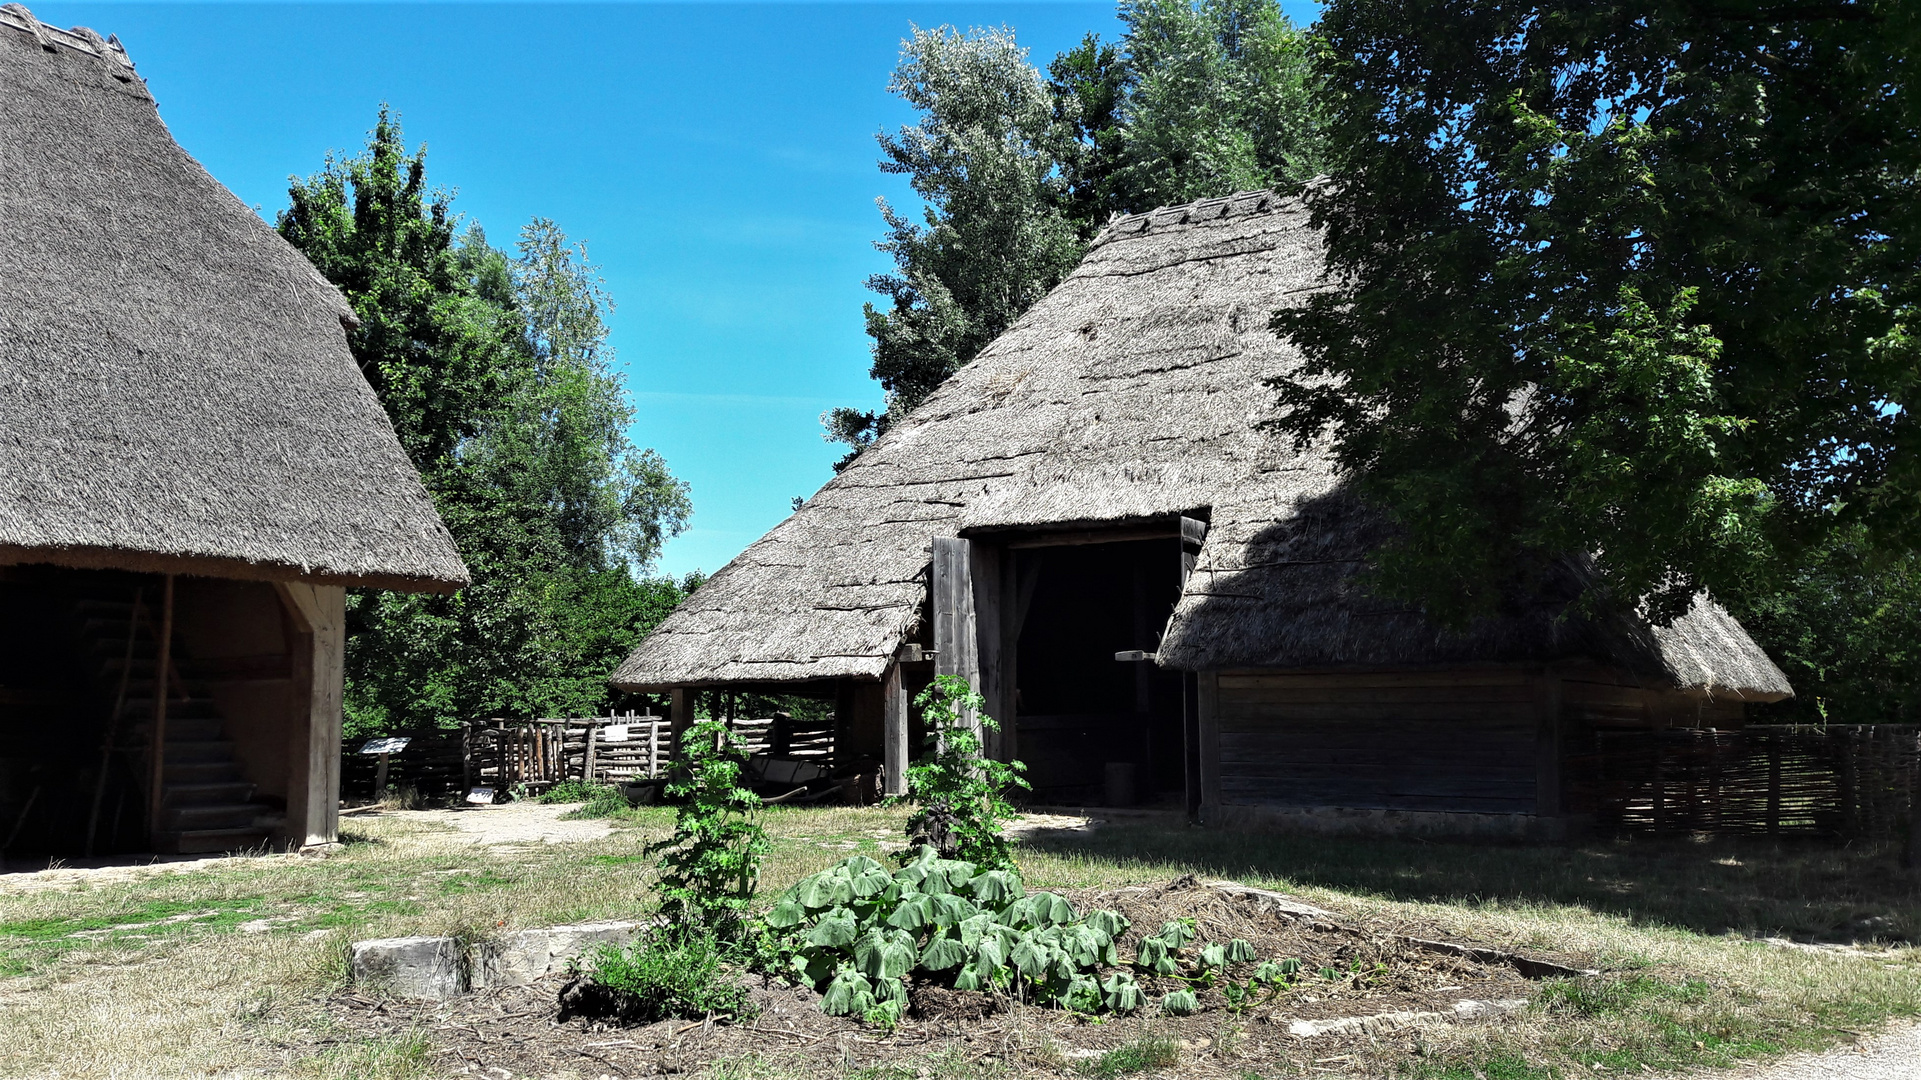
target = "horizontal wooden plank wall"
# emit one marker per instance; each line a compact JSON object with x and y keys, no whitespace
{"x":1459,"y":741}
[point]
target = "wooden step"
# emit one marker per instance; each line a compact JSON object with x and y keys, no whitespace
{"x":206,"y":793}
{"x":203,"y":772}
{"x":216,"y":816}
{"x":186,"y":728}
{"x":204,"y":841}
{"x":197,"y":751}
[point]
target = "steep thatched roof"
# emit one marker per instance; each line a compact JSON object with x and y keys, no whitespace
{"x":176,"y":392}
{"x":1132,"y":391}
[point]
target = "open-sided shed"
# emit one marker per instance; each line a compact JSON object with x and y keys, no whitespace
{"x":1090,"y":523}
{"x":192,"y":471}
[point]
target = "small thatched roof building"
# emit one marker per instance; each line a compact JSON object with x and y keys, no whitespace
{"x":176,"y":398}
{"x":1097,"y":482}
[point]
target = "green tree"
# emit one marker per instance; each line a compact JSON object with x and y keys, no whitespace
{"x":494,"y":369}
{"x":1845,"y":625}
{"x":1634,"y":279}
{"x":985,"y":159}
{"x":1219,"y":96}
{"x":1018,"y":172}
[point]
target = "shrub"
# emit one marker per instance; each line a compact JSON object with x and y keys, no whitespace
{"x":959,"y":792}
{"x":659,"y":977}
{"x":710,"y":866}
{"x":855,"y":932}
{"x":573,"y":791}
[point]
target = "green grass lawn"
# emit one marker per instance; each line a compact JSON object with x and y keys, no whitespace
{"x":225,"y":966}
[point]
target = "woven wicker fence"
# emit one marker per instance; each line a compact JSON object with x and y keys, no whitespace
{"x":1855,"y":781}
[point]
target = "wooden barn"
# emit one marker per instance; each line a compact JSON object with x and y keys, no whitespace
{"x":1089,"y":522}
{"x":192,"y":471}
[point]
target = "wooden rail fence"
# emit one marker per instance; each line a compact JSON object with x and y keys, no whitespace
{"x":1856,"y":781}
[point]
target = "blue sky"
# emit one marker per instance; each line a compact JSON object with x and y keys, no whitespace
{"x":718,"y":159}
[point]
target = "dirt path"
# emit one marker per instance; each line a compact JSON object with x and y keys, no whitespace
{"x":1892,"y":1055}
{"x":510,"y":823}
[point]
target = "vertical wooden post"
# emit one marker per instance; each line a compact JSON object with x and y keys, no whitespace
{"x":653,"y":750}
{"x":985,"y":571}
{"x":894,"y":750}
{"x":1193,"y":533}
{"x":955,"y":644}
{"x":313,"y":752}
{"x":587,"y":762}
{"x":1207,"y":694}
{"x":466,"y":756}
{"x":380,"y":778}
{"x":156,"y":794}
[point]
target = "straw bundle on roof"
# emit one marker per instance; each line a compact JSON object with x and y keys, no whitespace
{"x":176,"y":391}
{"x":1134,"y":390}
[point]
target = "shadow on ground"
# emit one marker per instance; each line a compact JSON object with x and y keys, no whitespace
{"x":1808,"y":890}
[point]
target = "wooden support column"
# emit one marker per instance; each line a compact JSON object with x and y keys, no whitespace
{"x":157,"y":781}
{"x":956,"y":651}
{"x":985,"y":570}
{"x":895,"y":753}
{"x":1208,"y":735}
{"x":680,"y":709}
{"x":1194,"y":746}
{"x":313,"y":735}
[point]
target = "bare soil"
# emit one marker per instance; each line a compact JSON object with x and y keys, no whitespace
{"x":1377,"y":972}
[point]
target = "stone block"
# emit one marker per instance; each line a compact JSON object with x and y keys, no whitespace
{"x":411,"y":967}
{"x":525,"y":956}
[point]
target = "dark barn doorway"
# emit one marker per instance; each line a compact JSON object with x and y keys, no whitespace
{"x":1079,"y":708}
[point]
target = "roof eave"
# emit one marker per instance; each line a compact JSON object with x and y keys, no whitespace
{"x":106,"y":558}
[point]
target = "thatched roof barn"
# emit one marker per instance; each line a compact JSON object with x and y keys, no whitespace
{"x":177,"y":398}
{"x":1114,"y":427}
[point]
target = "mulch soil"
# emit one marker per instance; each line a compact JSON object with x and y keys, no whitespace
{"x":516,"y":1029}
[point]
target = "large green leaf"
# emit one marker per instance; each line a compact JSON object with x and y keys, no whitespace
{"x":1121,"y":993}
{"x":975,"y":927}
{"x":816,"y":892}
{"x":996,"y":887}
{"x":1111,"y":923}
{"x":912,"y":913}
{"x":787,"y":913}
{"x":890,"y":990}
{"x":835,"y":931}
{"x":951,"y":909}
{"x":1031,"y":957}
{"x":1181,"y":1003}
{"x":1240,"y":951}
{"x":1177,"y":932}
{"x":1083,"y":994}
{"x":874,"y":882}
{"x":1213,"y":957}
{"x":943,"y":953}
{"x":968,"y":979}
{"x":849,"y":994}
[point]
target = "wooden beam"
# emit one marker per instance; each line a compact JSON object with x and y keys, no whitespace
{"x":956,"y":649}
{"x":1077,"y":537}
{"x":157,"y":789}
{"x":1207,"y":695}
{"x":894,"y":749}
{"x":318,"y":650}
{"x":985,"y":570}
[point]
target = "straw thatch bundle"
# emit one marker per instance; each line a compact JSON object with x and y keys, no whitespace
{"x":176,"y":392}
{"x":1133,"y":390}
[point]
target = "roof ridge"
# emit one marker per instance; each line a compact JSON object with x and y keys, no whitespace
{"x":79,"y":39}
{"x":1239,"y":204}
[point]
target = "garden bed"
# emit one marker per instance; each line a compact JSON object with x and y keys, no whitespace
{"x":1347,"y":972}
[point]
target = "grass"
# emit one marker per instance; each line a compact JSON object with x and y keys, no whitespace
{"x":1139,"y":1056}
{"x":223,"y":967}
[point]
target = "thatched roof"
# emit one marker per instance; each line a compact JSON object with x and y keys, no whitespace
{"x":1132,"y":391}
{"x":176,"y":392}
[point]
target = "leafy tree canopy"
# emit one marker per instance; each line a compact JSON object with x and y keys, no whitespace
{"x":494,"y":369}
{"x":1018,"y":172}
{"x":1635,"y":279}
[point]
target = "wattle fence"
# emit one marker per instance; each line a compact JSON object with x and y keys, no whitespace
{"x":1851,"y":781}
{"x":536,"y":754}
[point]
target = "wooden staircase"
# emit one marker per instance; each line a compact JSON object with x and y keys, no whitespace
{"x":207,"y":803}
